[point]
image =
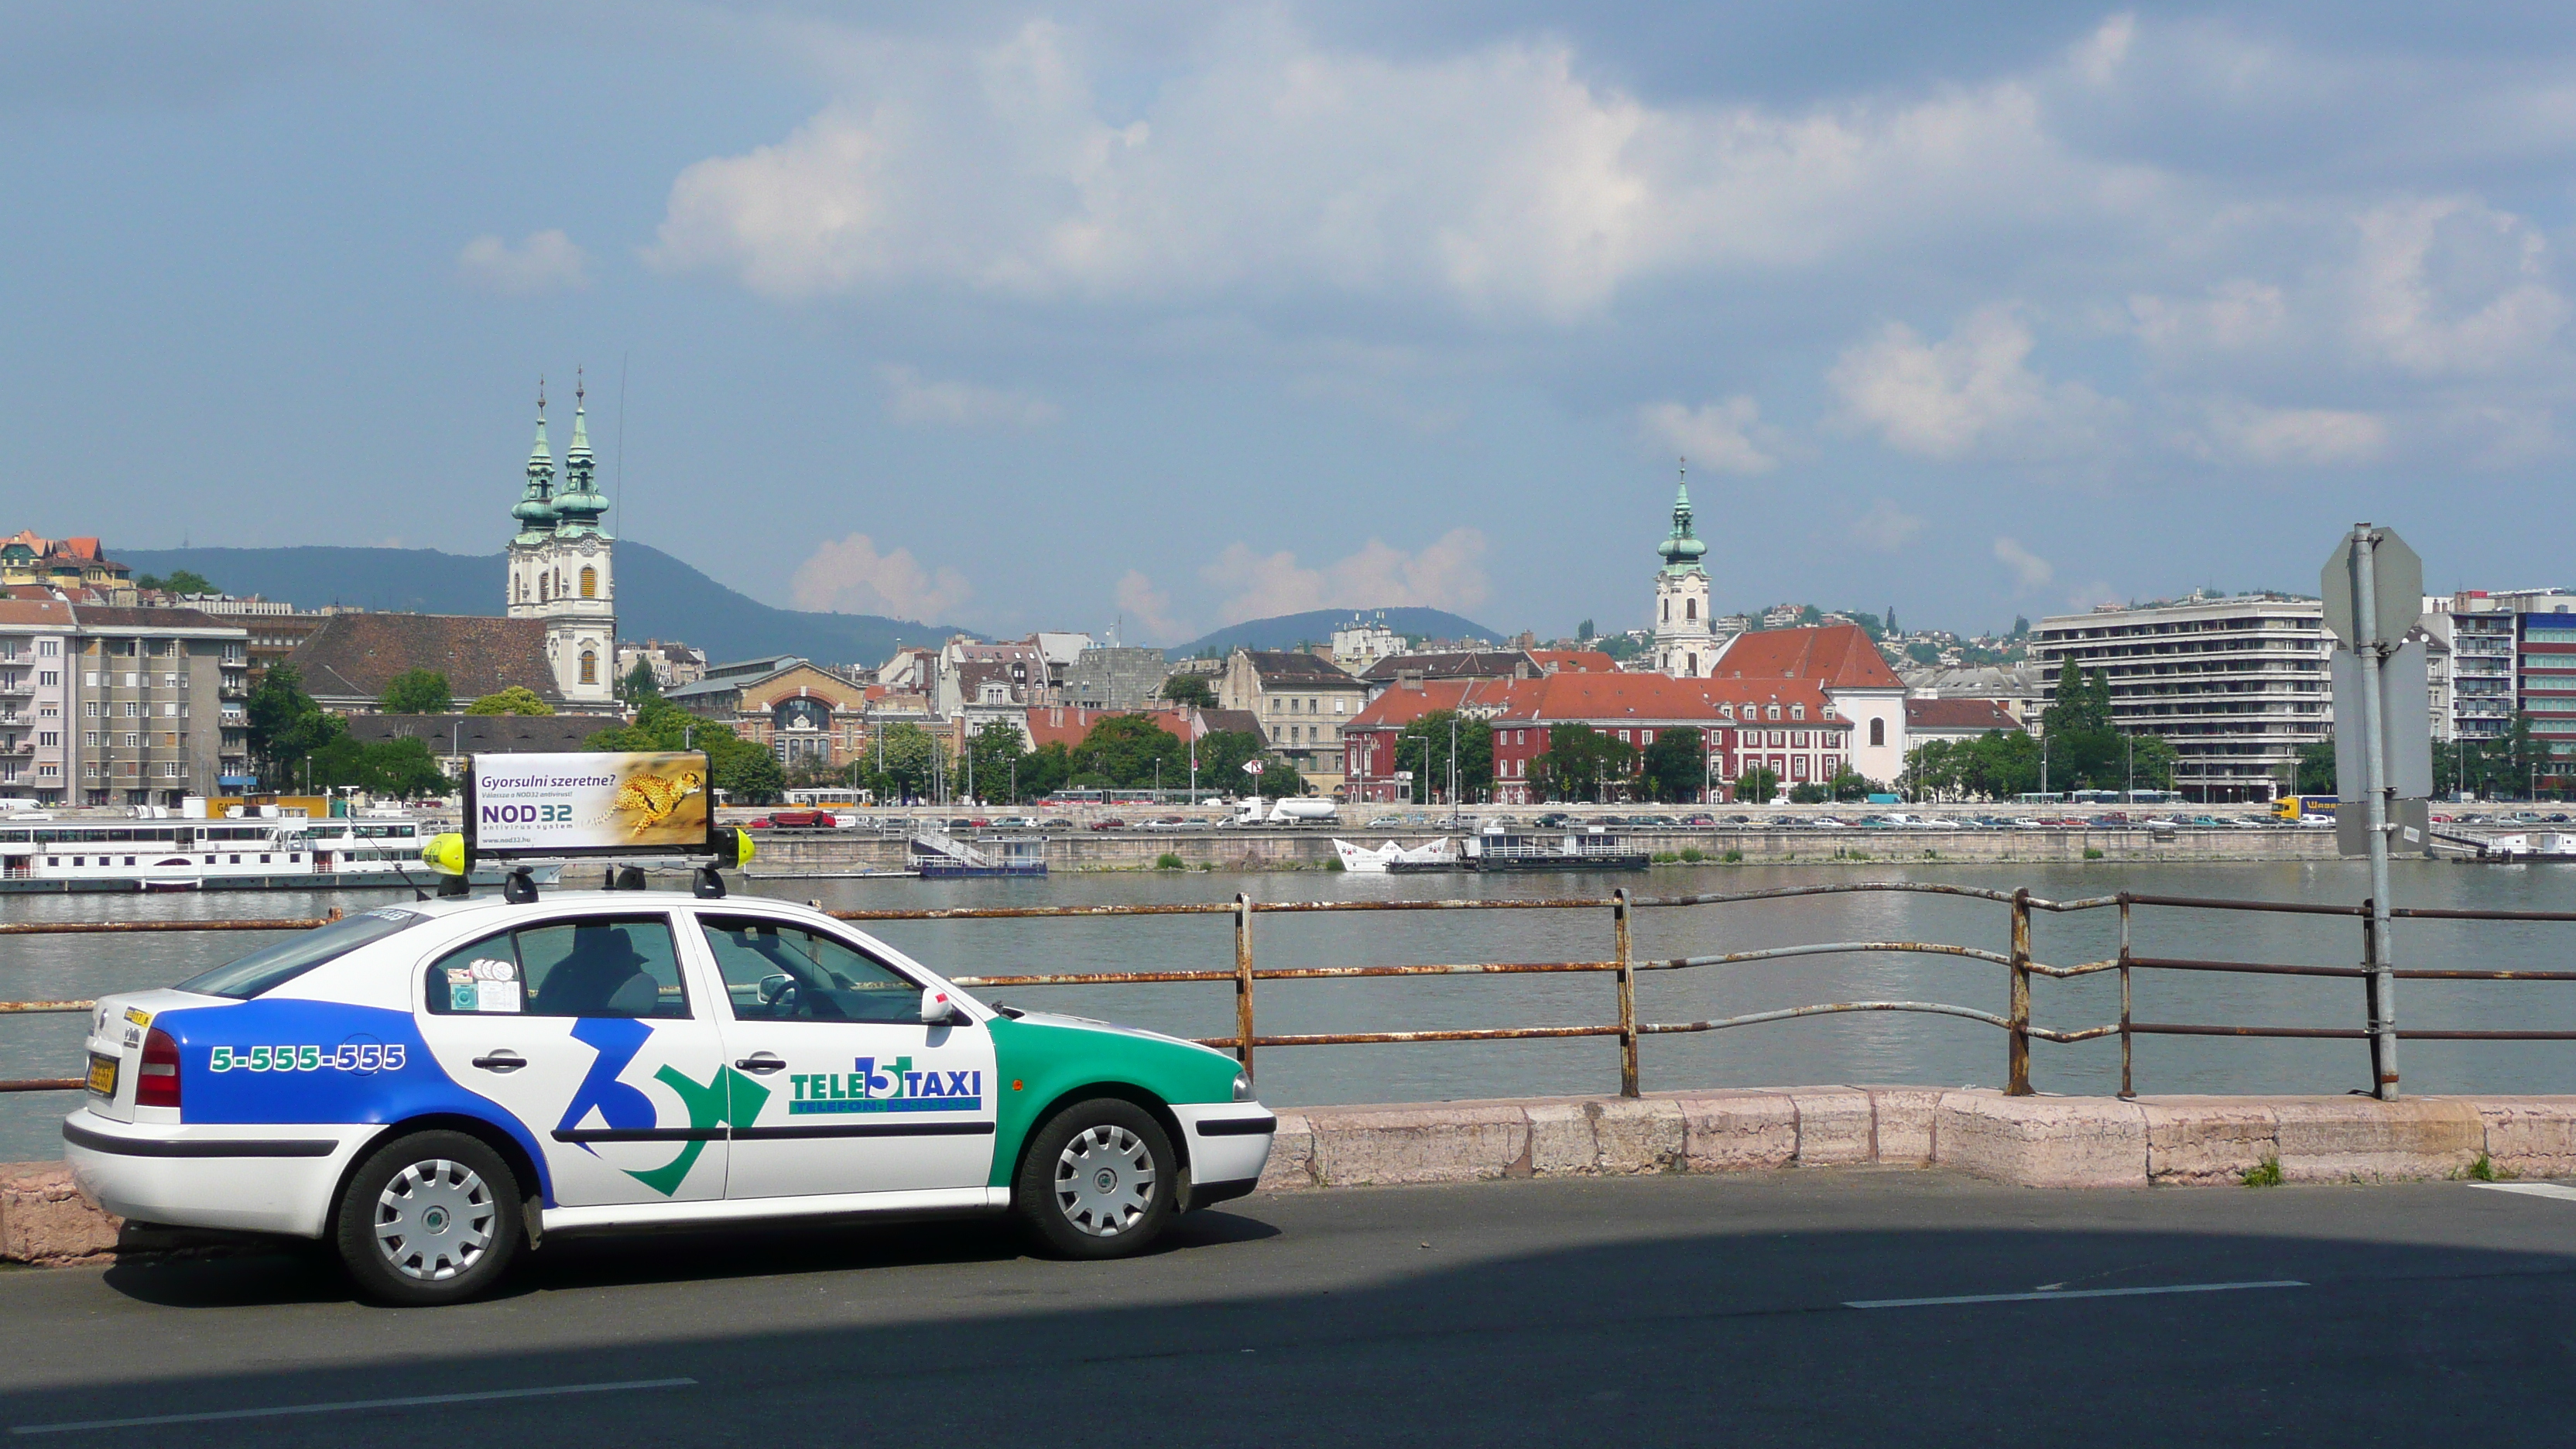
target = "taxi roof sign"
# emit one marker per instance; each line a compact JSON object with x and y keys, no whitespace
{"x":600,"y":803}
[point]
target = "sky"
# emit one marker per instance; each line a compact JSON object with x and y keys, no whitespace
{"x":1167,"y":315}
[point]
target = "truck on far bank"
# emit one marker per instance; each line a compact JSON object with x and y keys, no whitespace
{"x":1287,"y":810}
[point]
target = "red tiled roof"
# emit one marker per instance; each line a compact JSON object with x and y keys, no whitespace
{"x":36,"y":607}
{"x":1599,"y":698}
{"x":1838,"y":656}
{"x":1958,"y":714}
{"x":1574,"y":661}
{"x":356,"y":655}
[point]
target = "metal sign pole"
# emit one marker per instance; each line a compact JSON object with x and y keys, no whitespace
{"x":2368,"y":646}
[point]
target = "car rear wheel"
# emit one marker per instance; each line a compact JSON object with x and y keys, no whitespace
{"x":429,"y":1218}
{"x":1097,"y":1181}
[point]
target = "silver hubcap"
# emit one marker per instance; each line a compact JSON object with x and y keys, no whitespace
{"x":434,"y":1220}
{"x":1104,"y":1181}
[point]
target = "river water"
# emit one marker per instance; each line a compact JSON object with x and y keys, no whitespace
{"x":1872,"y":1047}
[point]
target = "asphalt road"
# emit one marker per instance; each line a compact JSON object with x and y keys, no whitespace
{"x":1659,"y":1310}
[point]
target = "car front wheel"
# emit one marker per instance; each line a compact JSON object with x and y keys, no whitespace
{"x":1097,"y":1181}
{"x":427,"y":1219}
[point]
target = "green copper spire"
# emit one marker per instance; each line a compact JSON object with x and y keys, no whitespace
{"x":536,"y":510}
{"x":578,"y":507}
{"x":1680,"y":550}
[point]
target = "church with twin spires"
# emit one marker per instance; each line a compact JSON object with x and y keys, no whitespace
{"x":560,"y":569}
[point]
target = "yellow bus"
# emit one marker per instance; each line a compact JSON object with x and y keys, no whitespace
{"x":2293,"y":807}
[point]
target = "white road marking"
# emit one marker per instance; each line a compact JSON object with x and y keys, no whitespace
{"x":351,"y":1405}
{"x":2070,"y":1293}
{"x":2530,"y":1189}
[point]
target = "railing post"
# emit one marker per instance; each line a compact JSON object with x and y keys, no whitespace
{"x":2379,"y":1079}
{"x":1243,"y":979}
{"x":1627,"y":994}
{"x":2017,"y":1063}
{"x":2126,"y":1090}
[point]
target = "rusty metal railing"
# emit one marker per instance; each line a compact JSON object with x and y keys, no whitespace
{"x":2016,"y":1022}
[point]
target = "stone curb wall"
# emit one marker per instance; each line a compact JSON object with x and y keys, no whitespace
{"x":2024,"y":1141}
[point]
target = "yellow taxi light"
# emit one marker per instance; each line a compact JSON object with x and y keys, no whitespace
{"x":444,"y":854}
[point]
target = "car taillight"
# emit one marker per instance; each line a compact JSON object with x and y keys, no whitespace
{"x":157,"y":1084}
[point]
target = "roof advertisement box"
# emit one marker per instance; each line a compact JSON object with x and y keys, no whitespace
{"x":588,"y":804}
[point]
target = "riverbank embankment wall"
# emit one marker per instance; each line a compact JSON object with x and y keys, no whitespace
{"x":2036,"y":1141}
{"x":786,"y":855}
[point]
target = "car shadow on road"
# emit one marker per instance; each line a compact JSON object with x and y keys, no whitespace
{"x":1703,"y":1337}
{"x":275,"y":1274}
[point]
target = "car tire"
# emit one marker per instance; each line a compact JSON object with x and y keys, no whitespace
{"x":1097,"y":1180}
{"x":430,"y":1218}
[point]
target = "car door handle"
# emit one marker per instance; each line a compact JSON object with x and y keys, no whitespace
{"x":501,"y":1061}
{"x":762,"y":1063}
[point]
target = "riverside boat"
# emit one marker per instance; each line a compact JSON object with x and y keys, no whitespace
{"x":1395,"y":859}
{"x":42,"y":853}
{"x":1592,"y":848}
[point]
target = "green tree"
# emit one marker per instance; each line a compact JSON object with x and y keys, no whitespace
{"x":1131,"y":751}
{"x":1424,"y":745}
{"x":2316,"y":768}
{"x":1808,"y":792}
{"x":741,"y":769}
{"x":1190,"y":689}
{"x":1221,"y":757}
{"x":1676,"y":766}
{"x":284,"y":726}
{"x":1849,"y":784}
{"x":1278,"y":778}
{"x":1757,"y":786}
{"x":418,"y":691}
{"x":517,"y":699}
{"x":992,"y":763}
{"x":1581,"y":763}
{"x":912,"y":758}
{"x":1585,"y":632}
{"x":639,"y":683}
{"x":1045,"y":770}
{"x":397,"y":769}
{"x":177,"y":581}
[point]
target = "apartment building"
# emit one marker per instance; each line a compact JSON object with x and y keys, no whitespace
{"x":2511,"y":652}
{"x":1303,"y":703}
{"x":2237,"y":685}
{"x":114,"y":706}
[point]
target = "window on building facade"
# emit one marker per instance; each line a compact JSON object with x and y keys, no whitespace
{"x":1797,"y":711}
{"x":1690,"y":609}
{"x":49,"y":648}
{"x":1878,"y":732}
{"x":589,"y":582}
{"x":589,"y":666}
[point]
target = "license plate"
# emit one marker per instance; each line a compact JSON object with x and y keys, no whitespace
{"x":102,"y":1075}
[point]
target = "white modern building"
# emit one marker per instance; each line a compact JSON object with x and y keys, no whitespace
{"x":2237,"y":685}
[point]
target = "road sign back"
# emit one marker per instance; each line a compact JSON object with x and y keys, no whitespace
{"x":2397,"y":587}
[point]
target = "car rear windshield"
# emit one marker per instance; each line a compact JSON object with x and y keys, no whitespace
{"x":270,"y":967}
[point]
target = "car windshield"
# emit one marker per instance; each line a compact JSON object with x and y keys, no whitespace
{"x":273,"y":966}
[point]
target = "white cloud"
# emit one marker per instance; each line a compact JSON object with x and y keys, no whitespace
{"x":1502,"y":180}
{"x":1971,"y":393}
{"x":1885,"y":528}
{"x":910,"y":398}
{"x":2098,"y":59}
{"x":1149,"y":607}
{"x":547,"y":261}
{"x":1447,"y":574}
{"x":2029,"y":570}
{"x":2298,"y":437}
{"x":2447,"y":285}
{"x":849,"y":576}
{"x":1715,"y":435}
{"x":2236,"y":314}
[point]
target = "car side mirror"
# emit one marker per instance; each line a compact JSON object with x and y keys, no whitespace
{"x":775,"y":988}
{"x":937,"y":1009}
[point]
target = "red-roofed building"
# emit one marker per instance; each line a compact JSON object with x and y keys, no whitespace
{"x":1956,"y":719}
{"x":1574,"y":661}
{"x":1840,"y":660}
{"x":1787,"y":725}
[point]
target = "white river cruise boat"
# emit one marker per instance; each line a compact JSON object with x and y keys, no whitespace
{"x":40,"y":853}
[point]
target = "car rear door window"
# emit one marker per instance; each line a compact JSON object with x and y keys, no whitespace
{"x":777,"y":972}
{"x":622,"y":966}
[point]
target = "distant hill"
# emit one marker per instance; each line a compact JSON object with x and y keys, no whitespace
{"x":658,"y":596}
{"x":1287,"y":631}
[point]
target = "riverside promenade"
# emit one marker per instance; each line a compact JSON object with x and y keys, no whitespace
{"x":2026,"y":1141}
